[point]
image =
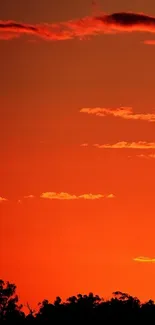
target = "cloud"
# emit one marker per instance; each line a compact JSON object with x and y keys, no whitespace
{"x":149,"y":42}
{"x":2,"y":199}
{"x":80,"y":28}
{"x":67,"y":196}
{"x":110,"y":196}
{"x":29,"y":196}
{"x":91,"y":196}
{"x":150,"y":156}
{"x":58,"y":196}
{"x":127,"y":145}
{"x":144,"y":259}
{"x":8,"y":36}
{"x":128,"y":21}
{"x":122,"y":112}
{"x":84,"y":145}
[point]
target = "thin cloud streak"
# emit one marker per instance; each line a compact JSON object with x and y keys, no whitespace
{"x":150,"y":156}
{"x":144,"y":259}
{"x":149,"y":42}
{"x":8,"y":36}
{"x":63,"y":196}
{"x":122,"y":112}
{"x":67,"y":196}
{"x":80,"y":28}
{"x":84,"y":145}
{"x":127,"y":145}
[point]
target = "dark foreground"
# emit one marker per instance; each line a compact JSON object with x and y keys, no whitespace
{"x":80,"y":309}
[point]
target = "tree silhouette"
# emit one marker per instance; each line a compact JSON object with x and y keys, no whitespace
{"x":122,"y":308}
{"x":9,"y":309}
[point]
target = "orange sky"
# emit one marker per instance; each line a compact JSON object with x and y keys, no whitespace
{"x":52,"y":246}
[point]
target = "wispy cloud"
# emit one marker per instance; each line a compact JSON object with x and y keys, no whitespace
{"x":144,"y":259}
{"x":29,"y":196}
{"x":149,"y":42}
{"x":122,"y":112}
{"x":3,"y":199}
{"x":127,"y":145}
{"x":150,"y":156}
{"x":67,"y":196}
{"x":84,"y":145}
{"x":8,"y":36}
{"x":87,"y":26}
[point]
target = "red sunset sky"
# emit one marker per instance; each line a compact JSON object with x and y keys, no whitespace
{"x":55,"y":96}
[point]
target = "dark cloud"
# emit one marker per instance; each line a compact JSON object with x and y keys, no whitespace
{"x":129,"y":19}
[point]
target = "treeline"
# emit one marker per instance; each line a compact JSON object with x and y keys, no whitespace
{"x":81,"y":309}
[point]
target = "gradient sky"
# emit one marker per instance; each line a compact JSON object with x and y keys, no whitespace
{"x":52,"y":247}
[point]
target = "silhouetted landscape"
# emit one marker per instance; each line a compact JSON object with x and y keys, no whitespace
{"x":120,"y":309}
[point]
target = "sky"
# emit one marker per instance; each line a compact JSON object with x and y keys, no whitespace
{"x":77,"y":165}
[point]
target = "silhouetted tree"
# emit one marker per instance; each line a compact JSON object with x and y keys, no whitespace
{"x":9,"y":309}
{"x":122,"y":308}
